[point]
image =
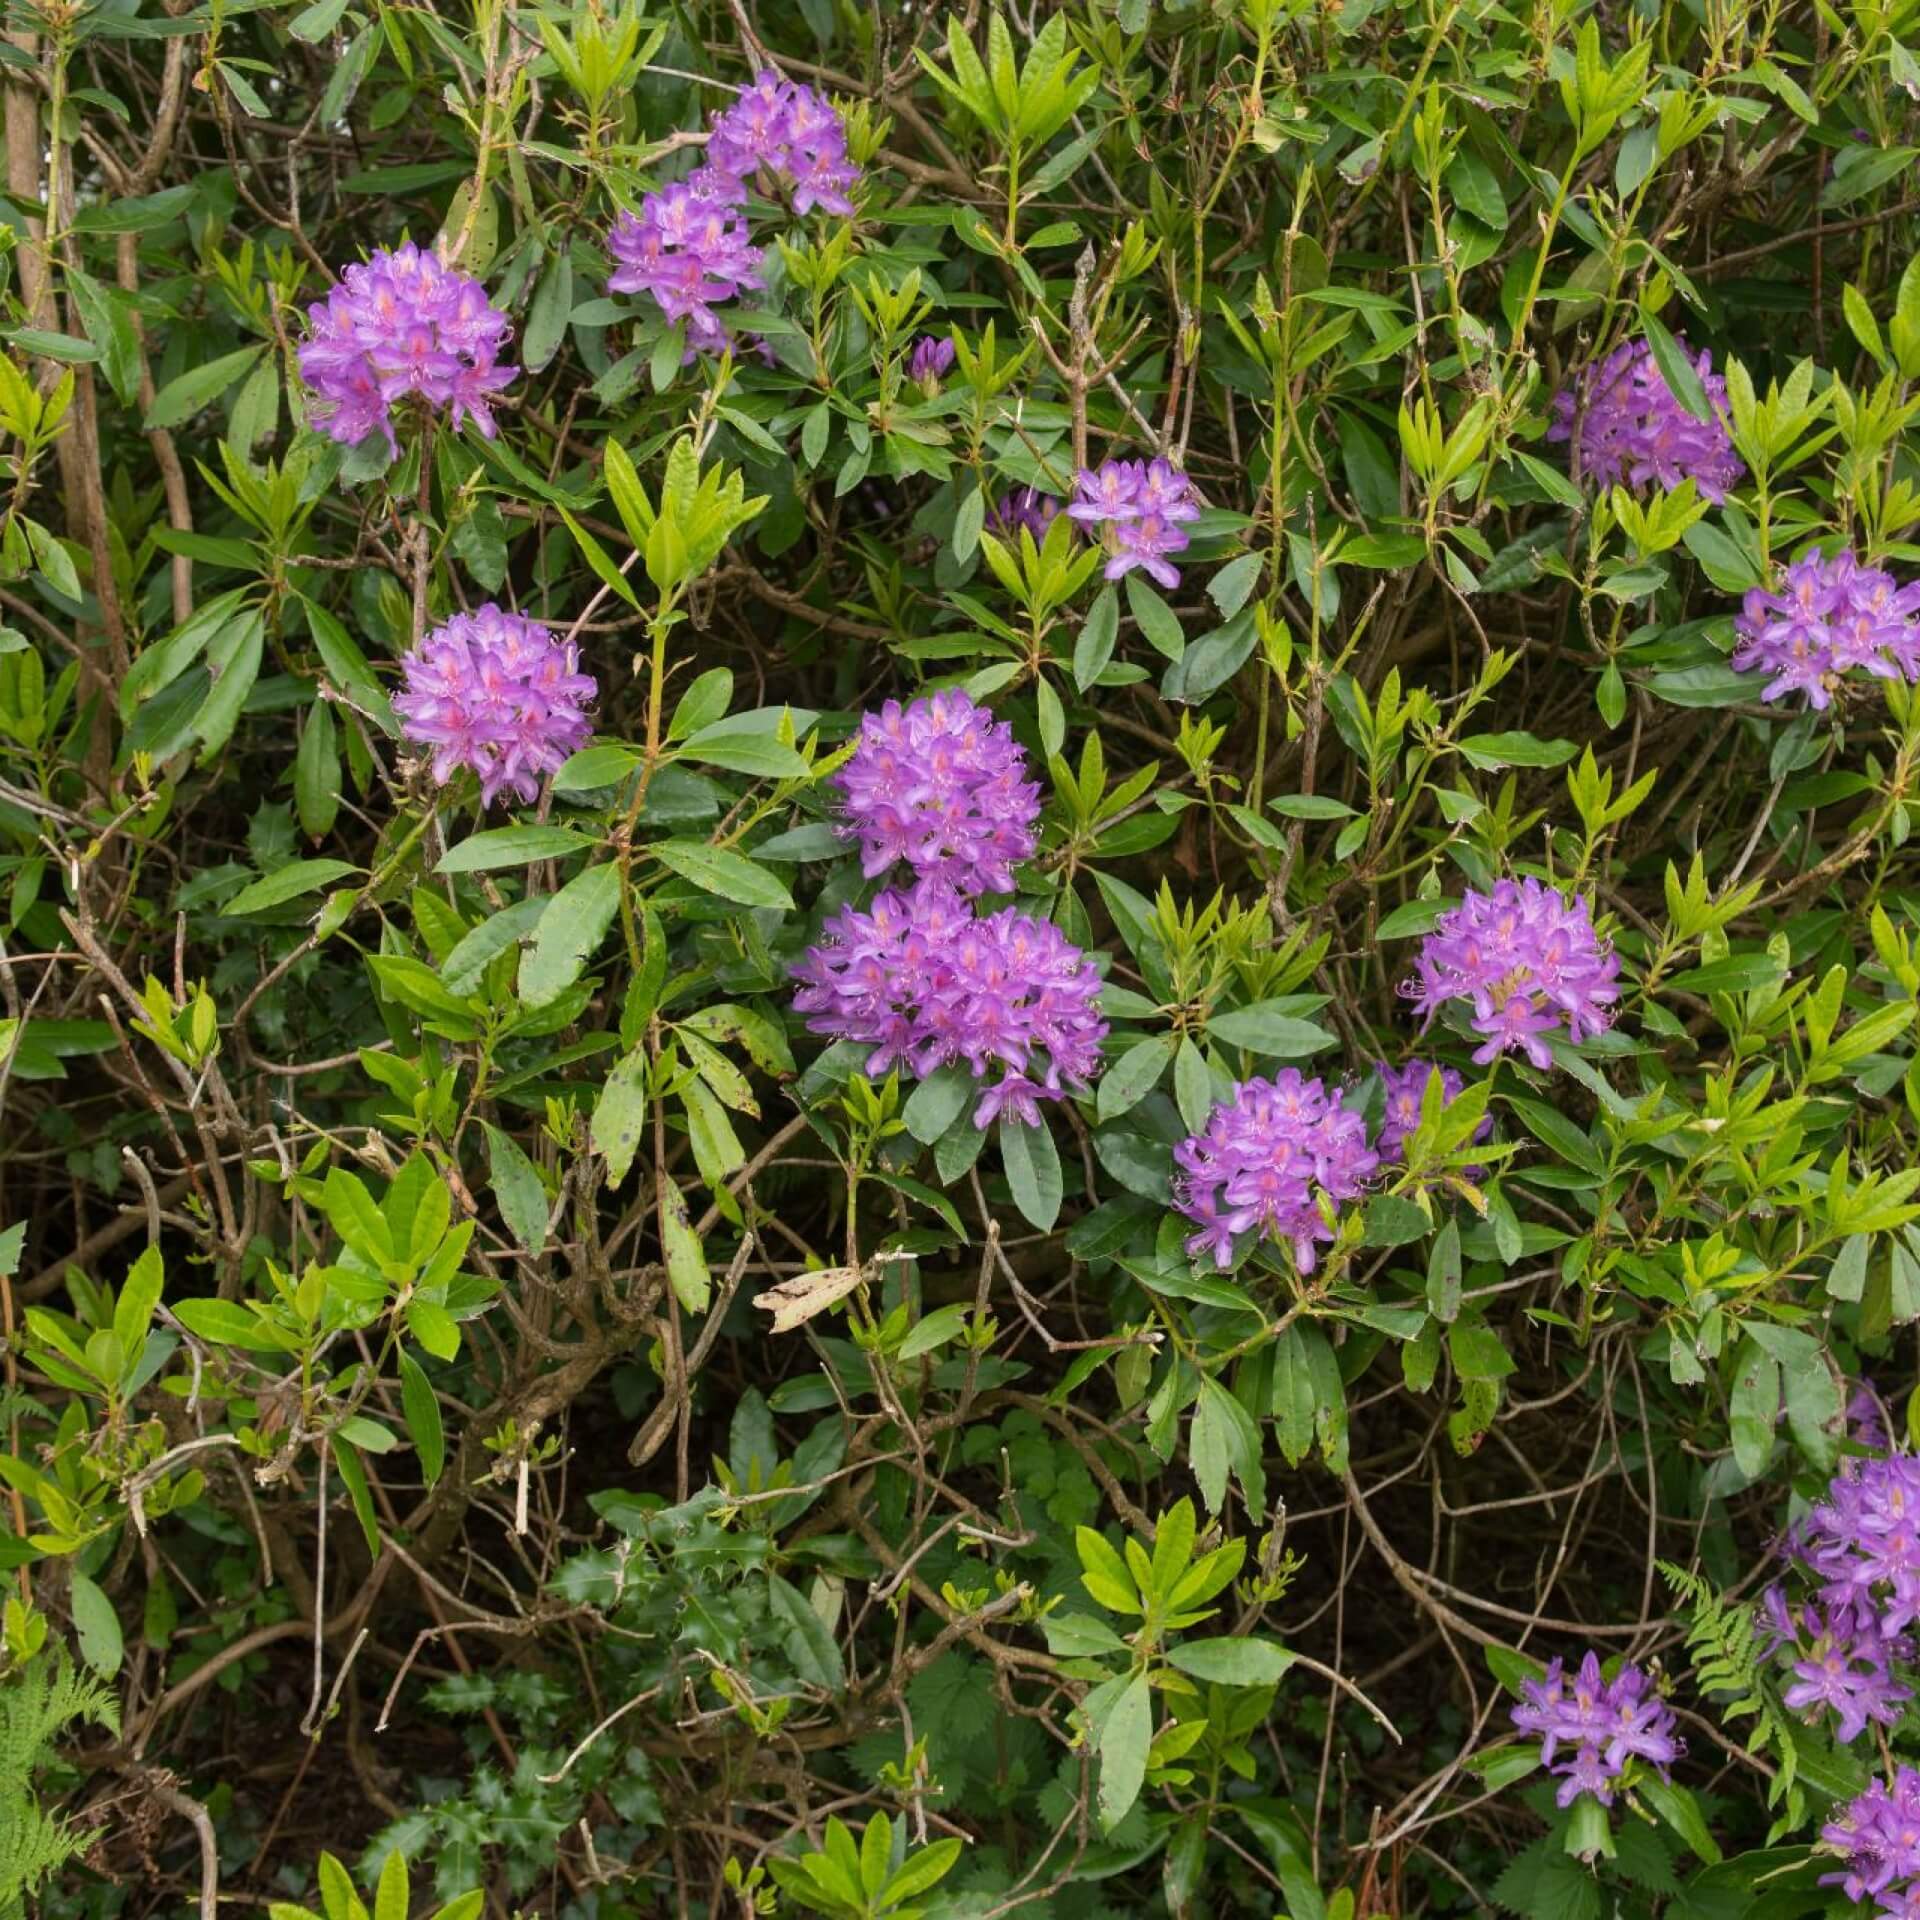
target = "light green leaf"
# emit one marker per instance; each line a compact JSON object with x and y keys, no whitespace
{"x":574,"y":924}
{"x":727,"y":875}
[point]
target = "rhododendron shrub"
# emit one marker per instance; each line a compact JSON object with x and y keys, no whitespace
{"x":959,"y":964}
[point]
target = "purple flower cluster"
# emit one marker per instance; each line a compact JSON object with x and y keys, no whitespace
{"x":1603,"y":1724}
{"x":1144,"y":507}
{"x":689,"y":246}
{"x":402,"y":323}
{"x":942,"y":785}
{"x":1829,"y":617}
{"x":1022,"y":507}
{"x":1862,"y":1542}
{"x":1529,"y":961}
{"x":922,"y":980}
{"x":689,"y":250}
{"x":498,"y":693}
{"x":1268,"y":1161}
{"x":1626,"y":425}
{"x":1878,"y":1833}
{"x":1860,"y":1547}
{"x":931,"y":360}
{"x":780,"y":130}
{"x":1842,"y":1663}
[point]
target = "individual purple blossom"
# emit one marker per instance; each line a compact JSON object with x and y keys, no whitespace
{"x":1023,"y":507}
{"x":495,"y":692}
{"x":1406,"y":1091}
{"x":689,"y":251}
{"x":1143,"y":509}
{"x":1877,"y":1834}
{"x":1530,"y":963}
{"x":1265,"y":1162}
{"x":1829,"y":617}
{"x":932,"y":357}
{"x":779,"y":128}
{"x":1627,"y":426}
{"x":926,"y":983}
{"x":942,"y":785}
{"x":1600,"y":1725}
{"x":402,"y":323}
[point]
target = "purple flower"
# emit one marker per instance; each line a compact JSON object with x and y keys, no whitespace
{"x":1867,"y":1418}
{"x":498,"y":693}
{"x":788,"y":131}
{"x":1878,"y":1835}
{"x":1829,"y":617}
{"x":402,"y":323}
{"x":925,"y":983}
{"x":1143,"y":508}
{"x":1862,"y":1545}
{"x":930,"y":360}
{"x":1602,"y":1723}
{"x":688,"y":250}
{"x":942,"y":785}
{"x":1024,"y":507}
{"x":1528,"y":960}
{"x":1845,"y":1665}
{"x":1627,"y":425}
{"x":1406,"y":1091}
{"x":1266,"y":1162}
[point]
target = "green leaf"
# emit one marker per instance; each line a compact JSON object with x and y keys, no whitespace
{"x":813,"y":1650}
{"x":1265,"y":1029}
{"x":1134,"y":1075}
{"x":1032,"y":1162}
{"x":1230,"y":588}
{"x":1489,"y":751}
{"x":510,"y":847}
{"x":198,"y":388}
{"x":517,"y":1189}
{"x":1157,"y":621}
{"x":417,"y":1401}
{"x":287,"y":883}
{"x":922,"y":1870}
{"x":1233,"y":1662}
{"x":228,"y":1324}
{"x":1737,"y":973}
{"x":1093,"y":646}
{"x":574,"y":924}
{"x":1394,"y":1221}
{"x":102,"y":1646}
{"x":937,"y":1102}
{"x":1753,"y":1408}
{"x":1676,"y":1805}
{"x":1124,"y":1741}
{"x":1847,"y":1278}
{"x":686,"y":1258}
{"x":67,"y":348}
{"x":1676,"y":368}
{"x":743,"y":749}
{"x":139,"y":1296}
{"x":354,"y":1477}
{"x":391,"y":1899}
{"x":139,"y":215}
{"x":726,"y":875}
{"x":620,"y":1114}
{"x":592,"y":767}
{"x":106,"y":315}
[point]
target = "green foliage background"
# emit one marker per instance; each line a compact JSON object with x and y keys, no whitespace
{"x":395,"y":1428}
